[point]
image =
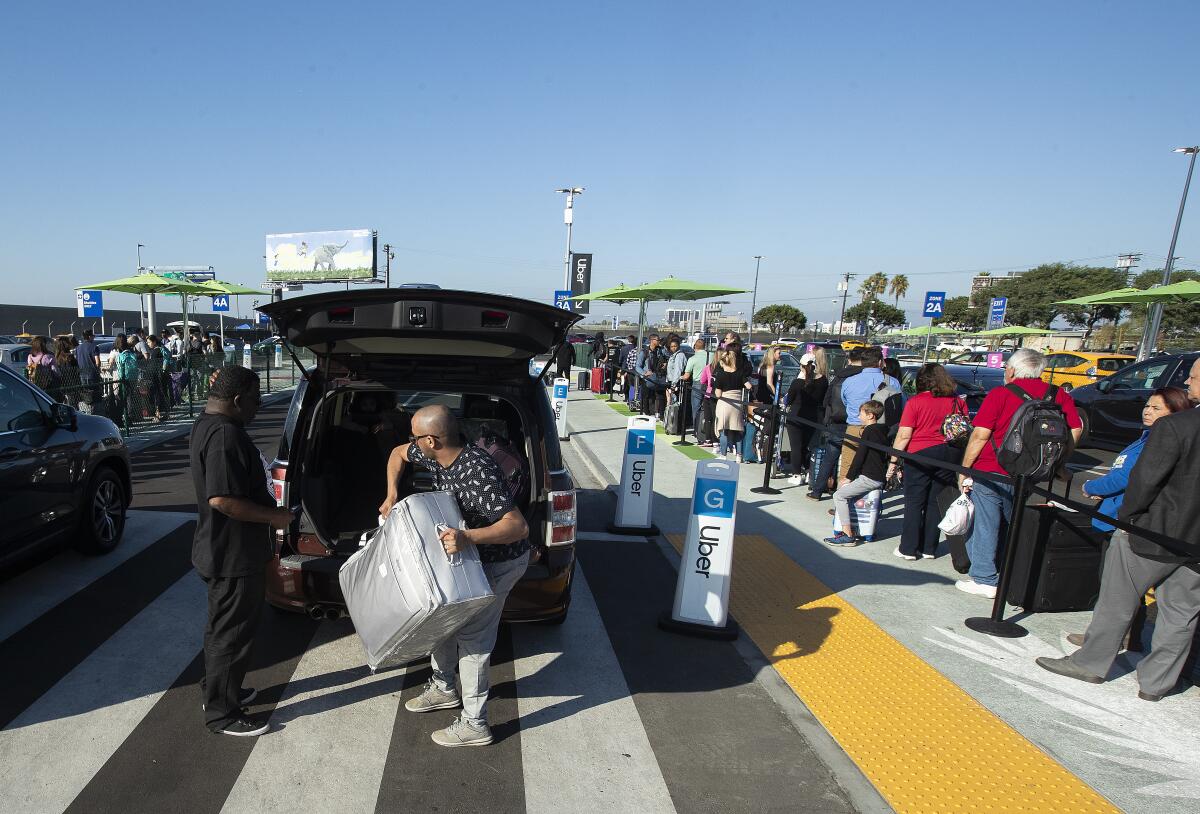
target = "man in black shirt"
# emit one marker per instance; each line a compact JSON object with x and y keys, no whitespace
{"x":498,"y":528}
{"x":232,"y":544}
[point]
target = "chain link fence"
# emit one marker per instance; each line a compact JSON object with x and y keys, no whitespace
{"x":143,"y":393}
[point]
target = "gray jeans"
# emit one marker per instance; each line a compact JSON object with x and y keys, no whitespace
{"x":852,"y":491}
{"x":1125,"y":579}
{"x":469,"y":652}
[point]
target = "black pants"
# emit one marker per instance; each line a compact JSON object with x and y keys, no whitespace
{"x":829,"y":464}
{"x":654,"y":398}
{"x":563,"y":372}
{"x":922,"y":485}
{"x":799,"y":438}
{"x":234,"y":607}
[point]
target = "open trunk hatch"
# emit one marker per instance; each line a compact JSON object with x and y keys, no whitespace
{"x":424,"y":322}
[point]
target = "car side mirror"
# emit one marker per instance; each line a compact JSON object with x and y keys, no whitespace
{"x":64,"y":416}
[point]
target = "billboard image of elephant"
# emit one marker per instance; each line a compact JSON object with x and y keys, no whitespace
{"x":318,"y":257}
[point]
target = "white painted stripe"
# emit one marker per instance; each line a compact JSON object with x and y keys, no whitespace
{"x":330,"y":733}
{"x":583,"y":745}
{"x":29,"y":595}
{"x":51,"y":752}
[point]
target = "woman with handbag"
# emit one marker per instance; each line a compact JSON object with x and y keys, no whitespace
{"x":934,"y":423}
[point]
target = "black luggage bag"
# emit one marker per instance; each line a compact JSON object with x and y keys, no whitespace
{"x":583,"y":380}
{"x":1057,"y":562}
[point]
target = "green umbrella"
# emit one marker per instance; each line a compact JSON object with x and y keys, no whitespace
{"x":1015,"y":330}
{"x":1103,"y":298}
{"x":1182,"y":291}
{"x":922,"y":330}
{"x":150,"y":283}
{"x":222,"y":287}
{"x":618,"y":293}
{"x":666,"y":289}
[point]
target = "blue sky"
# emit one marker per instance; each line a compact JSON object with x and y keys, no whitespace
{"x":929,"y":139}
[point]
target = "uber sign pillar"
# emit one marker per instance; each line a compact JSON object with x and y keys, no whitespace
{"x":701,"y":605}
{"x":581,"y":282}
{"x":559,"y":403}
{"x":635,"y":494}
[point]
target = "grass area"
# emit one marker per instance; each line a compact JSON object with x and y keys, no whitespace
{"x":692,"y":451}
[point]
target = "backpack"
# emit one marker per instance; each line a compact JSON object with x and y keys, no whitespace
{"x":892,"y":400}
{"x":1037,"y":437}
{"x":516,"y":474}
{"x":658,"y":364}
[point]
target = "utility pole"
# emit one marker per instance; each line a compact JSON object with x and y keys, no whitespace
{"x":844,"y":286}
{"x":388,"y":254}
{"x":753,"y":300}
{"x":1156,"y":309}
{"x":569,"y":218}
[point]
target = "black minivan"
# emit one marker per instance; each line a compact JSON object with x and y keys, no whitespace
{"x":381,"y":355}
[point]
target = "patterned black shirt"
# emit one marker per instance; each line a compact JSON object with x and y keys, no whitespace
{"x":477,"y":482}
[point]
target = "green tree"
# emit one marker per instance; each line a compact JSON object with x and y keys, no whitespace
{"x":1178,"y":319}
{"x":781,"y":317}
{"x":874,"y":286}
{"x":961,"y":316}
{"x":876,"y":314}
{"x":1032,"y":296}
{"x":898,"y":287}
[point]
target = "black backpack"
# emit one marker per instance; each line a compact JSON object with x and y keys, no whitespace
{"x":1037,"y":437}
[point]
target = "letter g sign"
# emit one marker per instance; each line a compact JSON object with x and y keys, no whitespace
{"x":714,"y":498}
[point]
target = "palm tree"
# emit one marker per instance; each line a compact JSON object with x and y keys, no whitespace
{"x":898,"y":287}
{"x":874,"y":286}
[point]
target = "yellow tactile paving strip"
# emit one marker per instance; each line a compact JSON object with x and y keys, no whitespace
{"x":926,"y":745}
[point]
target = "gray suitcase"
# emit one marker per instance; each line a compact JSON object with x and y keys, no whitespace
{"x":405,"y":595}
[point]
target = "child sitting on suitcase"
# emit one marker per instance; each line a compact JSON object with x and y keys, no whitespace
{"x":867,"y":473}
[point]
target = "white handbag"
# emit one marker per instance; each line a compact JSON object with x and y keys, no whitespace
{"x":957,"y":520}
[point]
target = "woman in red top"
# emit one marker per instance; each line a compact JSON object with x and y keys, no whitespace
{"x":921,"y":431}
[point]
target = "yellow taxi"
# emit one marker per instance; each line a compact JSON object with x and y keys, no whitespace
{"x":1071,"y":369}
{"x":851,"y":344}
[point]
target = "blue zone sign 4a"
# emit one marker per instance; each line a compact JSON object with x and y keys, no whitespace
{"x":935,"y":303}
{"x":220,"y":303}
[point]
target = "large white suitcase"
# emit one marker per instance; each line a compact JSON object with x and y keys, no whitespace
{"x":864,"y":515}
{"x":405,"y":595}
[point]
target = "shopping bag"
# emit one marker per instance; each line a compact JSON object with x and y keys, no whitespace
{"x":957,"y":519}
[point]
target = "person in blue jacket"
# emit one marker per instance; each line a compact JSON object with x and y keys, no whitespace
{"x":1110,"y":489}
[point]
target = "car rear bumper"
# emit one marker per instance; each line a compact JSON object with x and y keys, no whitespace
{"x":300,"y":581}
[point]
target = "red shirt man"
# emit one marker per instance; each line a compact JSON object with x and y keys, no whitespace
{"x":998,"y":409}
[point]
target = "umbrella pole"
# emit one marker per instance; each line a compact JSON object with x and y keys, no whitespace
{"x":151,"y":315}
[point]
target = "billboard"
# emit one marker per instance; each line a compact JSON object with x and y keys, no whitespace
{"x":317,"y":257}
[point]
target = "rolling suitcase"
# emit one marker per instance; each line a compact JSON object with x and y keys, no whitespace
{"x":582,"y":380}
{"x":597,"y":380}
{"x":864,"y":515}
{"x":405,"y":595}
{"x":1057,"y":563}
{"x":819,"y":449}
{"x":673,"y":417}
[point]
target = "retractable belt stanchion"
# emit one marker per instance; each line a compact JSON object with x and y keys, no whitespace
{"x":995,"y":625}
{"x":685,"y":403}
{"x":701,"y":606}
{"x":559,"y":402}
{"x":635,"y":495}
{"x":770,"y":427}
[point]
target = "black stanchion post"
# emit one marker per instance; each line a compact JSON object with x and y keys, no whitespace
{"x":685,"y":400}
{"x":995,"y":625}
{"x":769,"y":428}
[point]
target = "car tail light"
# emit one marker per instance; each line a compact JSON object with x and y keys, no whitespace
{"x":494,"y":319}
{"x":562,"y":518}
{"x":1091,"y":371}
{"x":343,"y":314}
{"x":279,"y":483}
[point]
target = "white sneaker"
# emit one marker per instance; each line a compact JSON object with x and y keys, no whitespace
{"x":902,"y":555}
{"x":970,"y":586}
{"x":796,"y":480}
{"x":928,"y":556}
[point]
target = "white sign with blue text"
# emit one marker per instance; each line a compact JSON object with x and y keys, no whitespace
{"x":935,"y":302}
{"x":702,"y":588}
{"x":559,"y":402}
{"x":636,"y":496}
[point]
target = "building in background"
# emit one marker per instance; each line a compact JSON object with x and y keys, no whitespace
{"x":982,"y":283}
{"x":680,"y":317}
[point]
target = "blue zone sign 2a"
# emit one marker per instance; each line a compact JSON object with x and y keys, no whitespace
{"x":935,"y":303}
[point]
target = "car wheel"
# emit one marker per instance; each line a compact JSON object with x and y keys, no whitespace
{"x":102,"y":520}
{"x":1084,"y":435}
{"x":1066,"y":387}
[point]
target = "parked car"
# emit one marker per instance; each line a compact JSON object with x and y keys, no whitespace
{"x":8,"y":339}
{"x":14,"y":355}
{"x":1070,"y":370}
{"x":64,"y":477}
{"x":985,"y":377}
{"x":380,"y":356}
{"x":1111,"y":408}
{"x":967,"y":389}
{"x":976,"y":357}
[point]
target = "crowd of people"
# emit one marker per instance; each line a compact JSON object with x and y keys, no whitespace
{"x":139,"y":376}
{"x":831,"y":413}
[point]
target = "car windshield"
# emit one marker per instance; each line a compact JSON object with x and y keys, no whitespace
{"x":1145,"y":376}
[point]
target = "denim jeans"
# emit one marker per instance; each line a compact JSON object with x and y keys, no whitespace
{"x":747,"y":446}
{"x":730,"y":441}
{"x":469,"y":652}
{"x":993,"y":504}
{"x":697,"y":415}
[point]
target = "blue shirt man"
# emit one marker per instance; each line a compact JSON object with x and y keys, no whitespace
{"x":861,"y":387}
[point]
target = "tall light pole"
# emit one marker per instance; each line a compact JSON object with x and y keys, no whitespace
{"x":753,"y":300}
{"x":388,"y":256}
{"x":569,"y":218}
{"x":844,"y":287}
{"x":1156,"y":309}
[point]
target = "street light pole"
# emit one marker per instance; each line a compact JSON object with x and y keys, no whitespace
{"x":753,"y":300}
{"x":569,"y":218}
{"x":845,"y":286}
{"x":388,"y":254}
{"x":1156,"y":309}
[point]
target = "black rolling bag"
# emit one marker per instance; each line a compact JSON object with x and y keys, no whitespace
{"x":1057,"y":563}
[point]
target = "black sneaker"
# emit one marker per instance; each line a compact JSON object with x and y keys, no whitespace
{"x":244,"y":727}
{"x":247,"y":695}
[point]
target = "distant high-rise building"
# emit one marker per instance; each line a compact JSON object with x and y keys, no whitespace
{"x":680,"y":316}
{"x":981,"y":283}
